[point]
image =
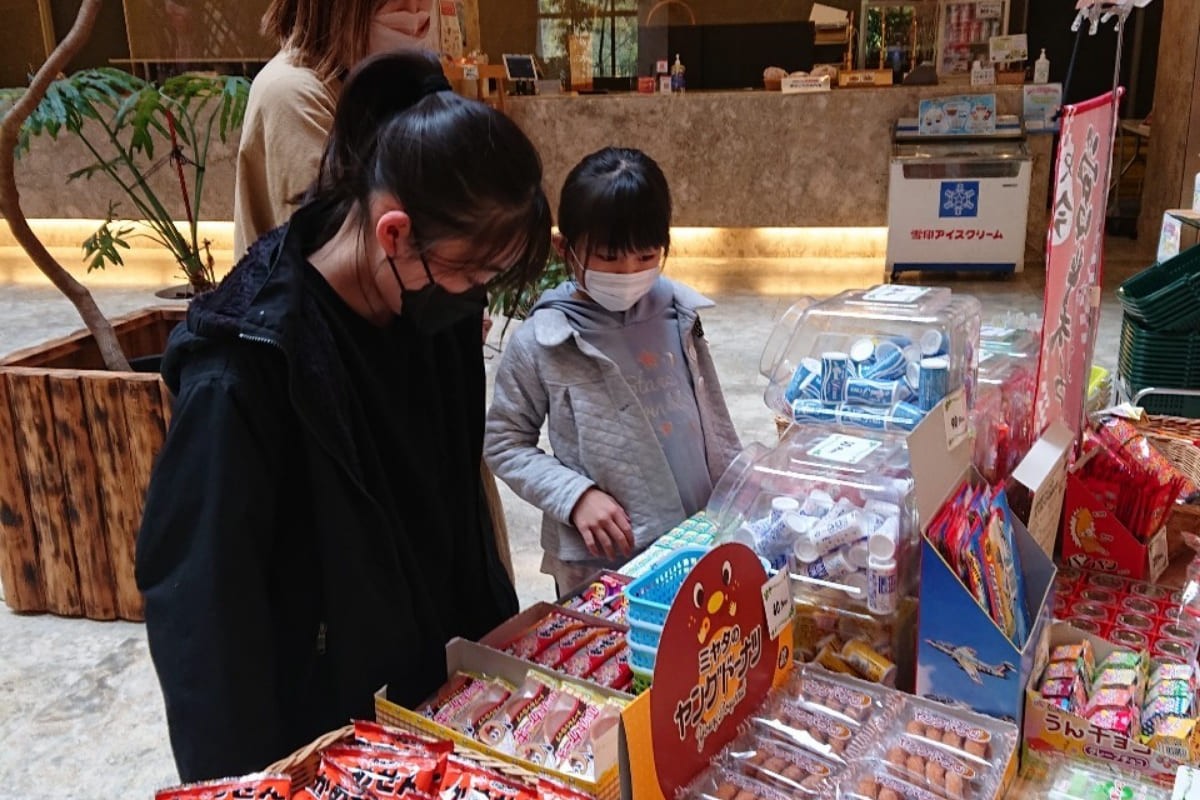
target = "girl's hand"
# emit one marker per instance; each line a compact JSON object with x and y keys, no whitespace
{"x":604,"y":525}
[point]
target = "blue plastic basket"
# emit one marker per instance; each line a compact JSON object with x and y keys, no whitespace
{"x":650,"y":596}
{"x":642,"y":658}
{"x":644,"y":634}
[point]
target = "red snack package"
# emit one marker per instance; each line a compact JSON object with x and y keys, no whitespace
{"x":542,"y":635}
{"x":386,"y":772}
{"x":259,"y":786}
{"x":600,"y":649}
{"x":614,"y":673}
{"x":556,"y":654}
{"x":467,"y":781}
{"x":334,"y":782}
{"x":553,"y":790}
{"x":375,"y":734}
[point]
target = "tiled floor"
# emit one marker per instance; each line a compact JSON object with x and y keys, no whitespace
{"x":80,"y":712}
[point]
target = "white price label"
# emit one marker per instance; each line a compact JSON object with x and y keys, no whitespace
{"x":470,"y":72}
{"x":954,"y":410}
{"x":844,"y":449}
{"x":989,"y":10}
{"x":894,"y":293}
{"x":777,"y":603}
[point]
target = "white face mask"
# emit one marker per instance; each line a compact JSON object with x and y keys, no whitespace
{"x":616,"y":291}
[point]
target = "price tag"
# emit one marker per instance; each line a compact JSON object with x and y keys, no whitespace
{"x":470,"y":72}
{"x":895,"y":293}
{"x":954,"y":410}
{"x":1168,"y":238}
{"x":844,"y":449}
{"x":777,"y":602}
{"x":990,"y":9}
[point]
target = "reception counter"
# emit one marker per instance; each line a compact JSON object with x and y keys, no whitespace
{"x":738,"y":161}
{"x":756,"y":159}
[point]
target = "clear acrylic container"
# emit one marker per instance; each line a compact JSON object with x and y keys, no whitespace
{"x":876,"y":358}
{"x":1002,"y":418}
{"x":835,"y":505}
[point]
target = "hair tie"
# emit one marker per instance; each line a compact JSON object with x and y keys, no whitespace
{"x":432,"y":84}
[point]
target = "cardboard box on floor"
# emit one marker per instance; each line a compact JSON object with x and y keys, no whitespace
{"x":962,"y":655}
{"x":1049,"y":729}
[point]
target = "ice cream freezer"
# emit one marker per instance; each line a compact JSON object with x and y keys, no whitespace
{"x":958,"y":203}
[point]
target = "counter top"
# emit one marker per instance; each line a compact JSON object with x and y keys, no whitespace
{"x":750,"y":158}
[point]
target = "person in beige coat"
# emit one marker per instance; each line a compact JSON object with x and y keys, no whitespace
{"x":290,"y":113}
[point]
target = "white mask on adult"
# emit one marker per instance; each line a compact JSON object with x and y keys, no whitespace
{"x":617,"y":291}
{"x":404,"y":23}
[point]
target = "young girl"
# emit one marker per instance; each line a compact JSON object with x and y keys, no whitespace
{"x":617,"y":360}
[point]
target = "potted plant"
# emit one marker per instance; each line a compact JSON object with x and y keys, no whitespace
{"x":516,"y":306}
{"x":79,"y":430}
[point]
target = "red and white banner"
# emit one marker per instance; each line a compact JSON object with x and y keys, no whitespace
{"x":1074,"y":260}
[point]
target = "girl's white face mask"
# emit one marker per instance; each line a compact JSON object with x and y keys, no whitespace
{"x":617,"y":291}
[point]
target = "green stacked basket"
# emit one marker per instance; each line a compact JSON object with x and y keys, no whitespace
{"x":1160,"y":333}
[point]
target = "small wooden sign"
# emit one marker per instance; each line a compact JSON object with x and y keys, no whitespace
{"x":865,"y":77}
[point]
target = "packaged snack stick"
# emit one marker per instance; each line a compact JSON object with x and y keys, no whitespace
{"x":557,"y":654}
{"x":468,"y":781}
{"x":482,"y":708}
{"x":592,"y":655}
{"x":452,"y":698}
{"x":542,"y":635}
{"x":521,"y":716}
{"x":615,"y":673}
{"x":574,"y":740}
{"x":259,"y":786}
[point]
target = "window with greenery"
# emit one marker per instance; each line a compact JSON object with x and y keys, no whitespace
{"x":612,"y":23}
{"x":899,"y":34}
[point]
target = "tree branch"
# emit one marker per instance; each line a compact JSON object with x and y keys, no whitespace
{"x":10,"y":197}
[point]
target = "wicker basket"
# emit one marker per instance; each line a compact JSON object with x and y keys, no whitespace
{"x":303,"y":764}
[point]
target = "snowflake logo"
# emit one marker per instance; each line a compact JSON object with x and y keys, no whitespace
{"x":959,"y":199}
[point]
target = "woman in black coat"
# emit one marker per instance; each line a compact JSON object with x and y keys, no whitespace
{"x":314,"y":528}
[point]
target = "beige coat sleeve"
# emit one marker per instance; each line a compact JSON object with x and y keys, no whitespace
{"x":288,"y":119}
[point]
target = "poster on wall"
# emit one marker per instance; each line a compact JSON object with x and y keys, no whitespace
{"x":1074,"y":260}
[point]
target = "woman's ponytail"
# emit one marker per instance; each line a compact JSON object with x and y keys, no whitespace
{"x":380,"y":88}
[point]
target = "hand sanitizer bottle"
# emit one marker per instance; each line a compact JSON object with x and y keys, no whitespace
{"x":678,"y":82}
{"x":1041,"y":68}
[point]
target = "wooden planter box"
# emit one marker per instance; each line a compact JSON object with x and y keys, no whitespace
{"x":77,"y":443}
